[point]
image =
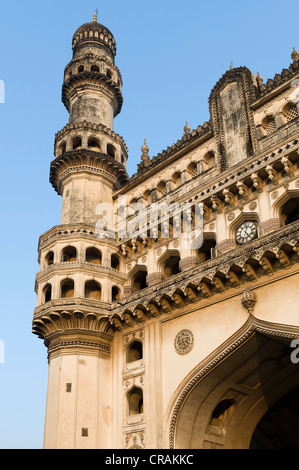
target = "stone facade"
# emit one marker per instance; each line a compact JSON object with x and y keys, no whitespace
{"x":152,"y":342}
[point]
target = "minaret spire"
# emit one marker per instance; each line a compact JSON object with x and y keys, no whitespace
{"x":95,"y":19}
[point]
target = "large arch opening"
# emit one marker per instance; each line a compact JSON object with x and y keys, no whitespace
{"x":92,"y":290}
{"x":139,"y":280}
{"x":246,"y":400}
{"x":290,"y":211}
{"x":279,"y":427}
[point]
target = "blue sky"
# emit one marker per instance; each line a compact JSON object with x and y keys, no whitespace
{"x":170,"y":53}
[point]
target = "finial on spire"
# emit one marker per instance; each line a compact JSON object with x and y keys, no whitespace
{"x":186,"y":128}
{"x":95,"y":19}
{"x":259,"y":79}
{"x":295,"y":55}
{"x":145,"y":156}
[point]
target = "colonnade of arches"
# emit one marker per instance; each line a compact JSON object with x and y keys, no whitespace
{"x":92,"y":290}
{"x":69,"y":254}
{"x":272,"y":122}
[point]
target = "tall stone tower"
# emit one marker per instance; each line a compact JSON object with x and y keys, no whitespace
{"x":89,"y":165}
{"x":154,"y":343}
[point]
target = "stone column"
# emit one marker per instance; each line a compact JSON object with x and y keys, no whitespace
{"x":79,"y":407}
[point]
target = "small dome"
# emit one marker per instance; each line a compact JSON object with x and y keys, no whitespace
{"x":96,"y":33}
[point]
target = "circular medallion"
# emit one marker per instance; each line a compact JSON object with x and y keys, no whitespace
{"x":183,"y":342}
{"x":231,"y":216}
{"x":274,"y":195}
{"x":252,"y":206}
{"x":211,"y":226}
{"x":297,"y":183}
{"x":176,"y":243}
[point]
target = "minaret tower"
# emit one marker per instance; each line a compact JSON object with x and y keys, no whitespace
{"x":81,"y":274}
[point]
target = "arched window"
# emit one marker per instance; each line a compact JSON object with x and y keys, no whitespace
{"x":94,"y":68}
{"x":290,"y":112}
{"x":109,"y":74}
{"x":49,"y":259}
{"x":222,"y":412}
{"x":205,"y":252}
{"x":69,"y":253}
{"x":269,"y":125}
{"x":93,"y":255}
{"x":134,"y":351}
{"x":115,"y":293}
{"x":115,"y":263}
{"x":290,"y":211}
{"x":62,"y":148}
{"x":77,"y":143}
{"x":192,"y":169}
{"x":94,"y":144}
{"x":80,"y":68}
{"x":139,"y":280}
{"x":110,"y":150}
{"x":176,"y":178}
{"x":171,"y":266}
{"x":92,"y":290}
{"x":67,"y":288}
{"x":209,"y":159}
{"x":47,"y":292}
{"x":135,"y":401}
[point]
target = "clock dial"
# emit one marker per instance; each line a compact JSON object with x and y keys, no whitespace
{"x":246,"y":232}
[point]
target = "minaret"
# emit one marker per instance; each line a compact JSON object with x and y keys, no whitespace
{"x":87,"y":150}
{"x":80,"y":274}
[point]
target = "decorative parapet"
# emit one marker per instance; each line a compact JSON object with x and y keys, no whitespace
{"x":92,"y":127}
{"x":254,"y":90}
{"x":187,"y":139}
{"x":279,"y":78}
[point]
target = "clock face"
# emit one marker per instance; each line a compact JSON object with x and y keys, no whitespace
{"x":246,"y":232}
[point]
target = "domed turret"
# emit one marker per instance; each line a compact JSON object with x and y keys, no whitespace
{"x":92,"y":83}
{"x":95,"y":37}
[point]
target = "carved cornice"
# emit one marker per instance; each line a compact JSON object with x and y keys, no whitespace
{"x":78,"y":341}
{"x":86,"y":160}
{"x":92,"y":79}
{"x":69,"y":314}
{"x":242,"y":184}
{"x":251,"y":326}
{"x":69,"y":231}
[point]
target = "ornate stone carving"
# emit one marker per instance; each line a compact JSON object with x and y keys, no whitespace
{"x":252,"y":206}
{"x":184,"y":341}
{"x":248,"y":300}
